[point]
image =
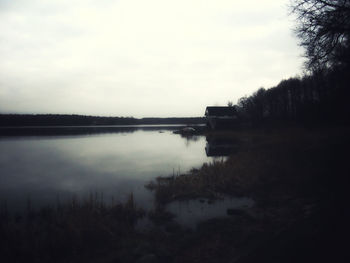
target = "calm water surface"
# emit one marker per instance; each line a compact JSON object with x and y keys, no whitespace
{"x":44,"y":169}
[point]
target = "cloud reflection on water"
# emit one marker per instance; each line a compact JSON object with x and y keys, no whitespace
{"x":43,"y":168}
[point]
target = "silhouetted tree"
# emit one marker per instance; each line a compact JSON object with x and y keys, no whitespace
{"x":324,"y":30}
{"x":253,"y":107}
{"x":322,"y":96}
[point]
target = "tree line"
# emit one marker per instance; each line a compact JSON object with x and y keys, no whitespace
{"x":321,"y":95}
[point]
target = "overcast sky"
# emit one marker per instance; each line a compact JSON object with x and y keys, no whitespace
{"x":141,"y":57}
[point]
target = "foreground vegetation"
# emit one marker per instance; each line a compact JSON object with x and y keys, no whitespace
{"x":73,"y":231}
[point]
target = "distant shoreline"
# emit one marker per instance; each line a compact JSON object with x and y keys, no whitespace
{"x":59,"y":120}
{"x":100,"y":126}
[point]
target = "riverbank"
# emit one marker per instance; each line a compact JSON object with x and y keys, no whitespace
{"x":297,"y":178}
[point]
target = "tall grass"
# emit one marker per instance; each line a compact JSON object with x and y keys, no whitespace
{"x":66,"y":230}
{"x":267,"y":162}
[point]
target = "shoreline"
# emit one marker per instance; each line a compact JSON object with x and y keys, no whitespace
{"x":293,"y":175}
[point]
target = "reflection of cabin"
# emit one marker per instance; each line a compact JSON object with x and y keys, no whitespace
{"x":218,"y":146}
{"x":221,"y":117}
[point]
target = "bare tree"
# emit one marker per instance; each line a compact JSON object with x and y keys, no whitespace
{"x":323,"y":27}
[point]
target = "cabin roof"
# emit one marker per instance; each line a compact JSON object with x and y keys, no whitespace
{"x":220,"y":111}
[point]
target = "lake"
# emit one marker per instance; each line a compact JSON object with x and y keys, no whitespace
{"x":46,"y":165}
{"x":108,"y":161}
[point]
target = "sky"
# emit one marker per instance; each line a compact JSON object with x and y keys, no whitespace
{"x":141,"y":58}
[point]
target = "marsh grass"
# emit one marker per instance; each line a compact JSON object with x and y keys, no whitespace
{"x":267,"y":163}
{"x":66,"y":230}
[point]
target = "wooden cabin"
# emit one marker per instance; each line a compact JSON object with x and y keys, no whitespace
{"x":221,"y":117}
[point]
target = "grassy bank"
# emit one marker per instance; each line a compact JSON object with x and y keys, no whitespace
{"x":298,"y":179}
{"x":292,"y":161}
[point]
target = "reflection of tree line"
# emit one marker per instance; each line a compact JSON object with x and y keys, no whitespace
{"x":71,"y":130}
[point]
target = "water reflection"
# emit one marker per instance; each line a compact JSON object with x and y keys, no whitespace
{"x":190,"y":138}
{"x":42,"y":168}
{"x":80,"y":130}
{"x":46,"y":164}
{"x":218,"y":146}
{"x":191,"y":212}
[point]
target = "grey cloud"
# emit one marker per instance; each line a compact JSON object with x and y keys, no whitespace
{"x":133,"y":57}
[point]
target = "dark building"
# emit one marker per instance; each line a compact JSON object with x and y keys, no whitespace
{"x":220,"y":117}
